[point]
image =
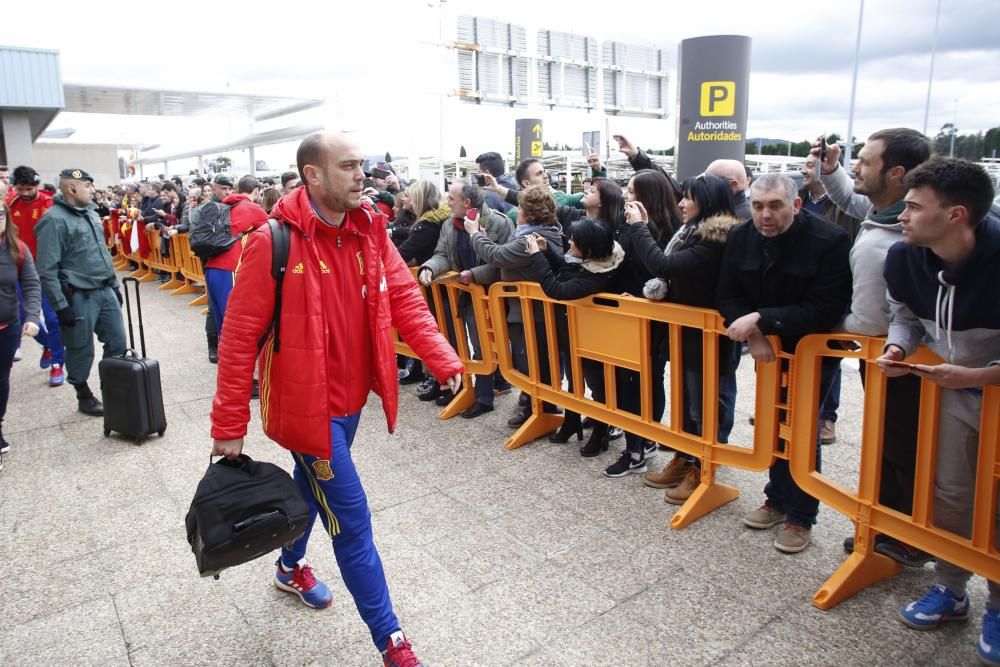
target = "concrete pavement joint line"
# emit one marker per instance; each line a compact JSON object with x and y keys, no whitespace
{"x":121,"y":628}
{"x":403,"y":502}
{"x":780,"y":613}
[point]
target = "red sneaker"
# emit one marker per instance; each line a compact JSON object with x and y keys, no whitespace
{"x":56,"y":375}
{"x":399,"y":653}
{"x":46,"y":359}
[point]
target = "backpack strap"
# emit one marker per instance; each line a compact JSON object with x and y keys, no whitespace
{"x":22,"y":249}
{"x":281,"y":236}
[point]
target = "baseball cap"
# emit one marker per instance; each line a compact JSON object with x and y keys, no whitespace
{"x":223,"y":179}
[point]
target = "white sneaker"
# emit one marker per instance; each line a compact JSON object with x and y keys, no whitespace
{"x":17,"y":354}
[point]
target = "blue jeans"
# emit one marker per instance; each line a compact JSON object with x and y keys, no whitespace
{"x":219,"y":283}
{"x":333,"y":491}
{"x":10,"y":339}
{"x":692,"y":419}
{"x":832,"y":403}
{"x":727,"y":397}
{"x":48,"y":335}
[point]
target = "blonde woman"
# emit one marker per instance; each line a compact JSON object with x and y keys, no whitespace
{"x":431,"y":211}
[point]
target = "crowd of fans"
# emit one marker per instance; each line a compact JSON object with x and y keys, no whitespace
{"x":775,"y":260}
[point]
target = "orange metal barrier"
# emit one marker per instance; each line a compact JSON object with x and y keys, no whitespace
{"x":193,"y":271}
{"x":450,"y":292}
{"x":864,"y":567}
{"x":615,"y":331}
{"x":186,"y":271}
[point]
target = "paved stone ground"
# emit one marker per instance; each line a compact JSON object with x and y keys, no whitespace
{"x":529,"y":557}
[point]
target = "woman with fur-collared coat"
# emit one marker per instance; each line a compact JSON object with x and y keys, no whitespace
{"x":686,"y":272}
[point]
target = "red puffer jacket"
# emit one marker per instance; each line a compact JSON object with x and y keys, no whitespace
{"x":294,"y":382}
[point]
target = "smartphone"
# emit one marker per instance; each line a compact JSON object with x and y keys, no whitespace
{"x":822,"y":152}
{"x":587,"y":147}
{"x":900,"y":364}
{"x":481,"y":180}
{"x":380,"y":173}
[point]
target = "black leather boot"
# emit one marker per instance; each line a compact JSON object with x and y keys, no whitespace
{"x":213,"y":348}
{"x":598,"y":440}
{"x":86,"y":402}
{"x":570,"y":425}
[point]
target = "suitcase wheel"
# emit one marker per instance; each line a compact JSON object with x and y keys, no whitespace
{"x":160,"y":433}
{"x":107,"y":433}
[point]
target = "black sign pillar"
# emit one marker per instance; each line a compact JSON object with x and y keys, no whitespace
{"x":713,"y":91}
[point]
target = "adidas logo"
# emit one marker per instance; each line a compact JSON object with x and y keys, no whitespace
{"x":299,"y":268}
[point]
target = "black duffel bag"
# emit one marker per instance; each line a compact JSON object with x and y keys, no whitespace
{"x":243,"y":510}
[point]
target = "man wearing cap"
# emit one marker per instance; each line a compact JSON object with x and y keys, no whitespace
{"x":27,"y":206}
{"x":244,"y":217}
{"x":79,"y":280}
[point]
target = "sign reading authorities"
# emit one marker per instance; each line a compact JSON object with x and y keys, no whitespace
{"x":712,"y":90}
{"x":527,"y":139}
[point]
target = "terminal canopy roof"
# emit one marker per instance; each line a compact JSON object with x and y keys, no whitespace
{"x":148,"y":102}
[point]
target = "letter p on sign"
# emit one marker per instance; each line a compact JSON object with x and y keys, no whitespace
{"x":718,"y":98}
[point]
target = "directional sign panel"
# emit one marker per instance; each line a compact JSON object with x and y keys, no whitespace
{"x":527,"y":138}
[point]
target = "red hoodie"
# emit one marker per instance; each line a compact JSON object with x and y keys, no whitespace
{"x":339,"y":305}
{"x":244,"y":215}
{"x":26,"y":214}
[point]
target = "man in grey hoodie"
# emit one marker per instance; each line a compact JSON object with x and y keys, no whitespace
{"x":874,"y":191}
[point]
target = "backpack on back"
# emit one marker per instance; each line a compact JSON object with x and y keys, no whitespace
{"x":210,"y":235}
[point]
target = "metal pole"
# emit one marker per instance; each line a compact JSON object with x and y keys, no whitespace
{"x":954,"y":130}
{"x":930,"y":77}
{"x":854,"y":89}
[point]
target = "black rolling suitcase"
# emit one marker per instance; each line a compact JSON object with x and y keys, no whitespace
{"x":130,"y":384}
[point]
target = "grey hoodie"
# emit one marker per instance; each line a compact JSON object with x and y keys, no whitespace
{"x":869,"y":306}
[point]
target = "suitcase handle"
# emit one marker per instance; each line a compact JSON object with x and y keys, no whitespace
{"x":128,"y":310}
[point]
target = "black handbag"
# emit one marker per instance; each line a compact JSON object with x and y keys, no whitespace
{"x":243,"y":510}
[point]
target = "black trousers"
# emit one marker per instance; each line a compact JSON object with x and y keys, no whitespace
{"x":899,"y":441}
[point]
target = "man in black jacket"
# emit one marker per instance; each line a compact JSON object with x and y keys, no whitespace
{"x":785,"y":273}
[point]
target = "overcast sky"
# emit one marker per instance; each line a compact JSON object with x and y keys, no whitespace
{"x":381,"y":78}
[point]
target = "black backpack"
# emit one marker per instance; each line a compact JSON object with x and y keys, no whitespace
{"x":242,"y":510}
{"x":210,"y":234}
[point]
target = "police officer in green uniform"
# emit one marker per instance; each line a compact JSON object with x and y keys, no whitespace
{"x":79,"y":279}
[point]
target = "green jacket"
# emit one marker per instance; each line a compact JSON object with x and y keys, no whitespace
{"x":71,"y":251}
{"x":562,"y":199}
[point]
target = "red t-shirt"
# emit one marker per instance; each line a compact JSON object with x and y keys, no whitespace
{"x":26,"y":214}
{"x":340,"y":252}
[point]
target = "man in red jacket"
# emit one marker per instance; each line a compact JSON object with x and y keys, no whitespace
{"x":27,"y":206}
{"x":245,"y":215}
{"x":344,"y":290}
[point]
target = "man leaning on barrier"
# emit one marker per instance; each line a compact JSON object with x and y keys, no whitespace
{"x":874,"y":190}
{"x":785,"y":273}
{"x":943,"y":292}
{"x":455,"y":252}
